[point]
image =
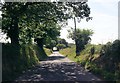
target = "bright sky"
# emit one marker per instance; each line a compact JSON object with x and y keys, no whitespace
{"x":104,"y":22}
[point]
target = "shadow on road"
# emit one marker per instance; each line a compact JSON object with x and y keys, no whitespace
{"x":55,"y":57}
{"x":58,"y":72}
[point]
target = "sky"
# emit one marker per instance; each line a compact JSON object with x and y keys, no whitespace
{"x":104,"y":22}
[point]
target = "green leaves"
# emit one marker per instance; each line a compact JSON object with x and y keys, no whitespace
{"x":81,"y":37}
{"x":24,"y":21}
{"x":80,"y":33}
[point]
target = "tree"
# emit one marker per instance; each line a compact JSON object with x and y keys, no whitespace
{"x":82,"y":38}
{"x":27,"y":16}
{"x":50,"y":43}
{"x":80,"y":10}
{"x":60,"y":46}
{"x":23,"y":21}
{"x":62,"y":41}
{"x":11,"y":14}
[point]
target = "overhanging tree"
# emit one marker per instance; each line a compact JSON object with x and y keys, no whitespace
{"x":11,"y":14}
{"x":23,"y":20}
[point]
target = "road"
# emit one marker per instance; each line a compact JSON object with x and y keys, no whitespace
{"x":57,"y":68}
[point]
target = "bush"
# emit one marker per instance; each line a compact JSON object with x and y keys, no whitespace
{"x":60,"y":46}
{"x":109,"y":60}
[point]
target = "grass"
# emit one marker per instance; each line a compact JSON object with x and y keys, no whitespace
{"x":69,"y":52}
{"x":48,"y":51}
{"x":84,"y":55}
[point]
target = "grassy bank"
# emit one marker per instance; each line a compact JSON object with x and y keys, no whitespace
{"x":84,"y":55}
{"x":16,"y":59}
{"x":47,"y":51}
{"x":100,"y":65}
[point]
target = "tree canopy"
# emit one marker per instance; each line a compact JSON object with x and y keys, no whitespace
{"x":82,"y":38}
{"x":22,"y":21}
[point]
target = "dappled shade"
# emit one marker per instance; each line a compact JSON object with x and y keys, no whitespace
{"x":58,"y":72}
{"x":57,"y":68}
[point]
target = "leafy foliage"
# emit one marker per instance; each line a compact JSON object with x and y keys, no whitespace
{"x":50,"y":44}
{"x":62,"y":41}
{"x":23,"y":21}
{"x":82,"y":38}
{"x":10,"y":19}
{"x":60,"y":46}
{"x":110,"y":56}
{"x":59,"y":43}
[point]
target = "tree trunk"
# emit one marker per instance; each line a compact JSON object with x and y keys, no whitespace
{"x":14,"y":31}
{"x":76,"y":41}
{"x":39,"y":42}
{"x":77,"y":48}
